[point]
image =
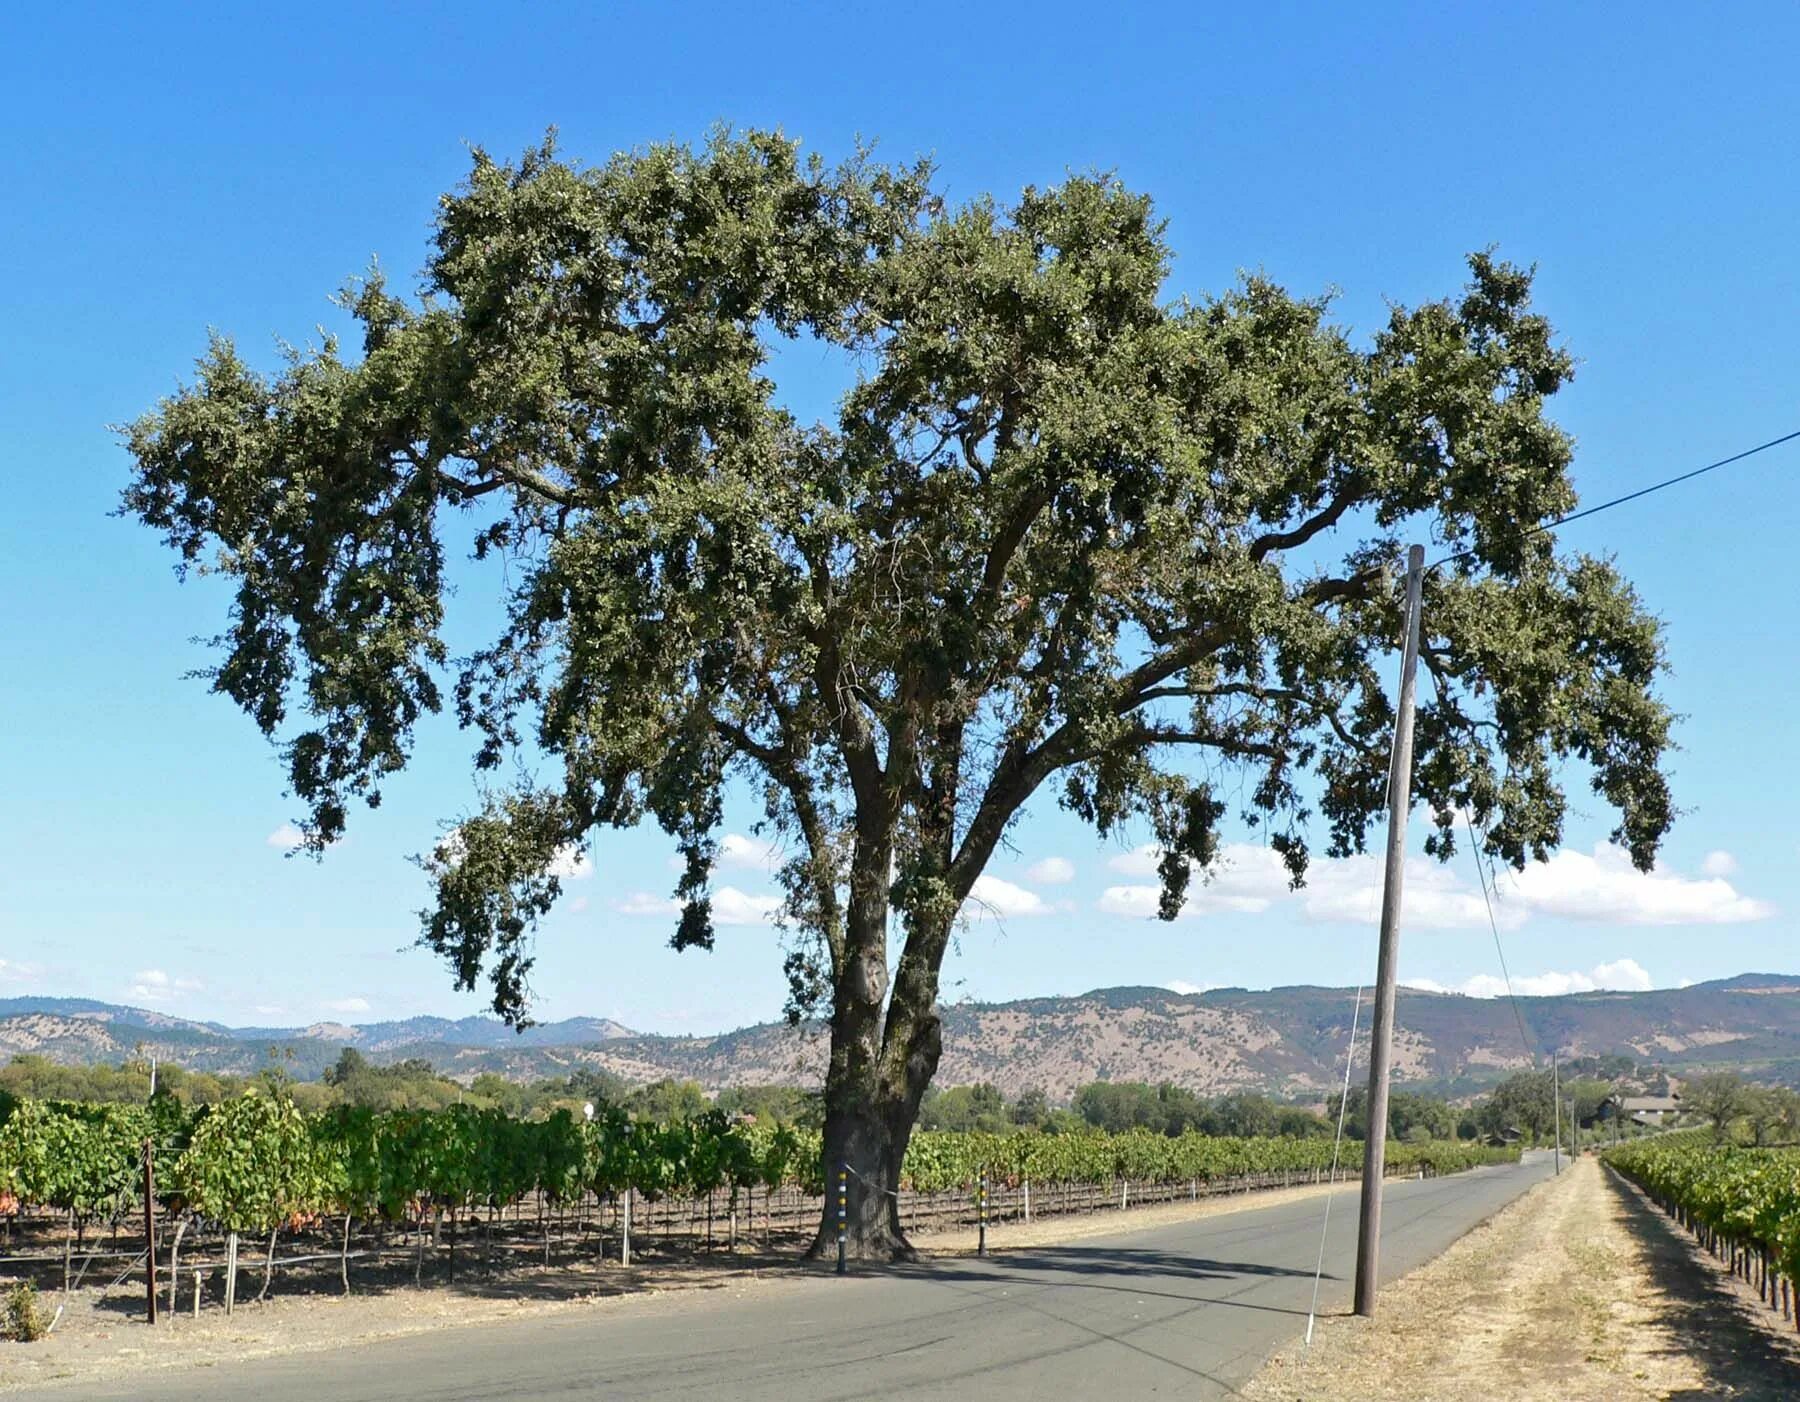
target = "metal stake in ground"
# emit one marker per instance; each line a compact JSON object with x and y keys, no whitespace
{"x":843,"y":1217}
{"x":981,"y":1215}
{"x":231,"y":1246}
{"x":1368,"y":1236}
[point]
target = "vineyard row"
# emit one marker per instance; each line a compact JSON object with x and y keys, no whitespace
{"x":256,"y":1162}
{"x":1742,"y":1204}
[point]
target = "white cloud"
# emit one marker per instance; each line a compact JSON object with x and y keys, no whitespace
{"x":1177,"y":985}
{"x":1607,"y":889}
{"x":643,"y":903}
{"x":1139,"y":861}
{"x":571,"y":863}
{"x":1139,"y":901}
{"x":992,"y":896}
{"x":1348,"y":891}
{"x":1719,"y":864}
{"x":156,"y":986}
{"x":11,"y":972}
{"x":742,"y":853}
{"x":1618,"y":975}
{"x":347,"y":1005}
{"x":1142,"y":901}
{"x":1051,"y":871}
{"x":730,"y":906}
{"x":579,"y":904}
{"x":1604,"y":888}
{"x":1246,"y":879}
{"x":287,"y":837}
{"x":1625,"y":974}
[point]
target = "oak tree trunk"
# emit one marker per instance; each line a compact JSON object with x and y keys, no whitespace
{"x":876,"y":1077}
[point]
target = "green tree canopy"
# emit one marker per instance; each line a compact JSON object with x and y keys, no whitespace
{"x":668,"y":1101}
{"x":1522,"y":1104}
{"x":1062,"y":529}
{"x":1720,"y":1096}
{"x":976,"y":1107}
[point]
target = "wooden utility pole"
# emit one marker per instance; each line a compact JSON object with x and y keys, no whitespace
{"x":1368,"y":1235}
{"x":1556,"y":1108}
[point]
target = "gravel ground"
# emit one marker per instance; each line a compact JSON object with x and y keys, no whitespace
{"x":1577,"y":1292}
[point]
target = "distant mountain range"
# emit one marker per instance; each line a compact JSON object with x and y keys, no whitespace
{"x":1284,"y":1041}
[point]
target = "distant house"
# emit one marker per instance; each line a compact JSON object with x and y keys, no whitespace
{"x":1652,"y":1110}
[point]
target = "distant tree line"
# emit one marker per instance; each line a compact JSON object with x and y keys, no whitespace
{"x":1735,"y":1109}
{"x":1116,"y":1106}
{"x":412,"y":1084}
{"x":1520,"y":1106}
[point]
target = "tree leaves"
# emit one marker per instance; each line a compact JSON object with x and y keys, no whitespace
{"x":1059,"y":527}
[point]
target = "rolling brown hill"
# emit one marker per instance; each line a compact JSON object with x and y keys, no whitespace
{"x":1284,"y":1041}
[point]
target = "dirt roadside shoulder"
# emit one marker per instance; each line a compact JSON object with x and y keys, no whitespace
{"x":105,"y":1337}
{"x":1577,"y":1292}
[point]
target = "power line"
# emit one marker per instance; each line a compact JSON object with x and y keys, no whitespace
{"x":1640,"y":492}
{"x":1336,"y":1144}
{"x":1494,"y":925}
{"x":1479,"y":846}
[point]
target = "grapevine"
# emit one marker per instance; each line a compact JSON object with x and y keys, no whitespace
{"x":254,"y":1163}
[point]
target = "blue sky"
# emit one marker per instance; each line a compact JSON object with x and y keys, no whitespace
{"x":169,"y":171}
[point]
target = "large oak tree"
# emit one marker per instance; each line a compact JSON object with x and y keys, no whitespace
{"x":1062,"y":530}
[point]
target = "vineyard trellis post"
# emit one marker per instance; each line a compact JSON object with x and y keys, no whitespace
{"x":150,"y":1227}
{"x":174,"y":1264}
{"x":268,"y":1264}
{"x":1381,"y":1042}
{"x":231,"y":1255}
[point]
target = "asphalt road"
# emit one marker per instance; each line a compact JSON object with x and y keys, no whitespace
{"x":1184,"y":1311}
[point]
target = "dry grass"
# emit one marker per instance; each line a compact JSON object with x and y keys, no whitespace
{"x":1571,"y":1293}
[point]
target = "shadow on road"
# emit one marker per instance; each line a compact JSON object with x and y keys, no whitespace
{"x":1126,"y":1270}
{"x":473,"y":1273}
{"x":1718,"y":1329}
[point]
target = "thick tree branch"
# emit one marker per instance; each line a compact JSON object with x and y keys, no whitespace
{"x":1331,"y":591}
{"x":1207,"y":693}
{"x":1267,"y":544}
{"x":836,"y":694}
{"x":1007,"y":541}
{"x":1145,"y":736}
{"x":498,"y":475}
